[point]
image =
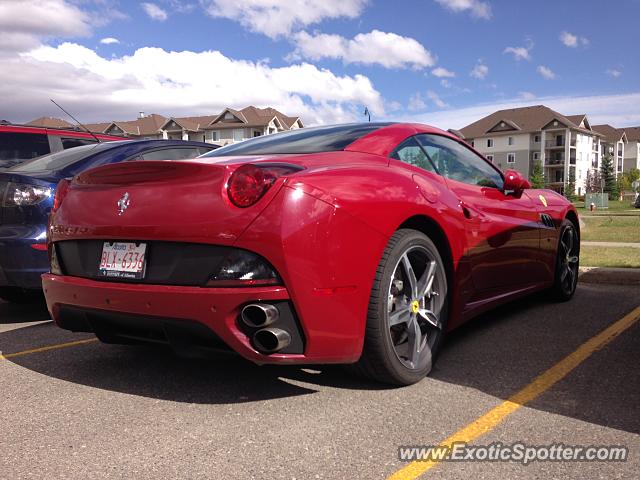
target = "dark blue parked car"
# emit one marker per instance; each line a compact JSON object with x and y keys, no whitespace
{"x":27,"y":190}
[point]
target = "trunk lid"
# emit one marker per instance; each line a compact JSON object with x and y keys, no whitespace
{"x":155,"y":200}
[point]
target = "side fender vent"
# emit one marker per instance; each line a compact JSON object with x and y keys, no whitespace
{"x":547,"y":221}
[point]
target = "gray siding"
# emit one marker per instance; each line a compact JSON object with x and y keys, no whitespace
{"x":522,"y":163}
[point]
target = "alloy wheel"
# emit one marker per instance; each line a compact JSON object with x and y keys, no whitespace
{"x":568,"y":260}
{"x":415,"y":300}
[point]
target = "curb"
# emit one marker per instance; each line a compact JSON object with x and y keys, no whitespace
{"x":610,"y":276}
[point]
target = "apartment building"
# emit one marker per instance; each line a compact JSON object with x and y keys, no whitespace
{"x":516,"y":138}
{"x":632,"y":149}
{"x":613,"y":143}
{"x":145,"y":126}
{"x":230,"y":125}
{"x":223,"y":128}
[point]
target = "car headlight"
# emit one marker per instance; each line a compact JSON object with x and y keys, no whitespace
{"x":20,"y":194}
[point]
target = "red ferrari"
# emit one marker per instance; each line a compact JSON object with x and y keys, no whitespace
{"x":356,"y":244}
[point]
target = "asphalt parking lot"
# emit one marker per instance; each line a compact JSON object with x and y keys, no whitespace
{"x":94,"y":411}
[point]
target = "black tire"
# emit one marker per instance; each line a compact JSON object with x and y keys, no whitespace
{"x":382,"y":358}
{"x":21,"y":296}
{"x":565,"y":278}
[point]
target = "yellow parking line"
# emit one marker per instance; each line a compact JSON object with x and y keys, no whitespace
{"x":541,"y":384}
{"x":48,"y":348}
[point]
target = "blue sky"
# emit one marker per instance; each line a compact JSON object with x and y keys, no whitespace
{"x":445,"y":62}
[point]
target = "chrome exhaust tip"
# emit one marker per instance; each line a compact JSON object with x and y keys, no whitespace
{"x":256,"y":315}
{"x":271,"y":340}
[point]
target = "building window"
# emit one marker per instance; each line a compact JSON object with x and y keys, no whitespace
{"x":473,"y":144}
{"x":536,"y":155}
{"x":511,"y":158}
{"x":215,"y":136}
{"x":510,"y":141}
{"x":489,"y":142}
{"x":490,"y":158}
{"x":238,"y":134}
{"x":536,"y":139}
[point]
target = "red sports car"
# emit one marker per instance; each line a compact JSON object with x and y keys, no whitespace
{"x":356,"y":244}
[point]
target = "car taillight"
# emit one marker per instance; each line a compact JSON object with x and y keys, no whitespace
{"x":250,"y":182}
{"x":61,"y":191}
{"x":22,"y":194}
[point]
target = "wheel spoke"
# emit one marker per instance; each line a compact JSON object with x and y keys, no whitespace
{"x":414,"y":341}
{"x":402,"y":315}
{"x":430,"y":317}
{"x":571,"y":275}
{"x":564,"y":273}
{"x":411,"y":276}
{"x":569,"y":235}
{"x":426,"y":280}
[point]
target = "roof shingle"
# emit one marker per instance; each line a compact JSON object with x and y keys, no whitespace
{"x":528,"y":119}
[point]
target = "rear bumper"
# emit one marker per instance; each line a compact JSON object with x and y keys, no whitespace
{"x":80,"y":304}
{"x":20,"y":264}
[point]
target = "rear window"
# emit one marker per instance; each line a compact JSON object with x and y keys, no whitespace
{"x":71,"y":142}
{"x":172,"y":154}
{"x":59,"y":160}
{"x":22,"y":146}
{"x":305,"y":140}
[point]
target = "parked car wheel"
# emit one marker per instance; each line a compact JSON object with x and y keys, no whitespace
{"x":21,"y":295}
{"x":407,"y":312}
{"x":567,"y":262}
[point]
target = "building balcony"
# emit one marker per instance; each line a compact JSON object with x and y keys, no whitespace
{"x":554,"y":144}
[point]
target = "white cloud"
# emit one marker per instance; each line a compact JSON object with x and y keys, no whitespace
{"x":433,"y":96}
{"x":526,"y":95}
{"x":619,"y":110}
{"x":546,"y":72}
{"x":519,"y":53}
{"x":175,"y":83}
{"x":109,"y":41}
{"x":24,"y":22}
{"x":154,"y":11}
{"x":476,"y":8}
{"x":276,"y":17}
{"x":441,"y":72}
{"x":416,"y":102}
{"x":572,"y":41}
{"x":393,"y":106}
{"x":446,"y":83}
{"x":480,"y":71}
{"x":374,"y":48}
{"x":613,"y":72}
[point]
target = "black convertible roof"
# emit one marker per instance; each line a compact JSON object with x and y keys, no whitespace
{"x":328,"y":138}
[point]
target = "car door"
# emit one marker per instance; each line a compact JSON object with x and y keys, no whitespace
{"x":502,"y":229}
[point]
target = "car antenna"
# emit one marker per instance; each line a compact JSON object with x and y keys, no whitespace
{"x":76,"y":120}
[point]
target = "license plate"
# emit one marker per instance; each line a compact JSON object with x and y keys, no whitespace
{"x":123,"y":260}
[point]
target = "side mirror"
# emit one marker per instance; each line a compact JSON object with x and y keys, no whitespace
{"x":514,"y":181}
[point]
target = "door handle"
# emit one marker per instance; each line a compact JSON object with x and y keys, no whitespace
{"x":466,"y":211}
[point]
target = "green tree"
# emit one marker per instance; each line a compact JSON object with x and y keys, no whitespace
{"x":570,"y":189}
{"x":633,"y":175}
{"x":537,"y":175}
{"x":609,"y":176}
